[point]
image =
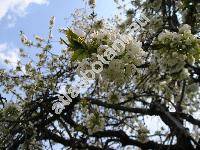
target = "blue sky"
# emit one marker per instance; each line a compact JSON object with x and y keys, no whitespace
{"x":32,"y":17}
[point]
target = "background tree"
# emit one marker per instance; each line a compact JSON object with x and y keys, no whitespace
{"x":157,"y":76}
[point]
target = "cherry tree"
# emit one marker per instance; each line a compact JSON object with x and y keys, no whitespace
{"x":152,"y":77}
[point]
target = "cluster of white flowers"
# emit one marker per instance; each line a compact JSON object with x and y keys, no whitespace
{"x":185,"y":29}
{"x":142,"y":132}
{"x":25,"y":40}
{"x":124,"y":46}
{"x":119,"y":70}
{"x":172,"y":63}
{"x":79,"y":32}
{"x":134,"y":53}
{"x":175,"y":50}
{"x":122,"y":69}
{"x":109,"y":34}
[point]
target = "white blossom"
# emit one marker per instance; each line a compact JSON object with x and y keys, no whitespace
{"x":185,"y":29}
{"x":79,"y":32}
{"x":185,"y":73}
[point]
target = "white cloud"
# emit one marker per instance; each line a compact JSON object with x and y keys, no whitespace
{"x":9,"y":53}
{"x":17,"y":7}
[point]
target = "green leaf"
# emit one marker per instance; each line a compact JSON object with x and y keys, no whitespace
{"x":79,"y":55}
{"x":75,"y":42}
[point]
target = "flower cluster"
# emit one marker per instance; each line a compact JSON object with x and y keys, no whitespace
{"x":118,"y":53}
{"x":168,"y":72}
{"x":175,"y":50}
